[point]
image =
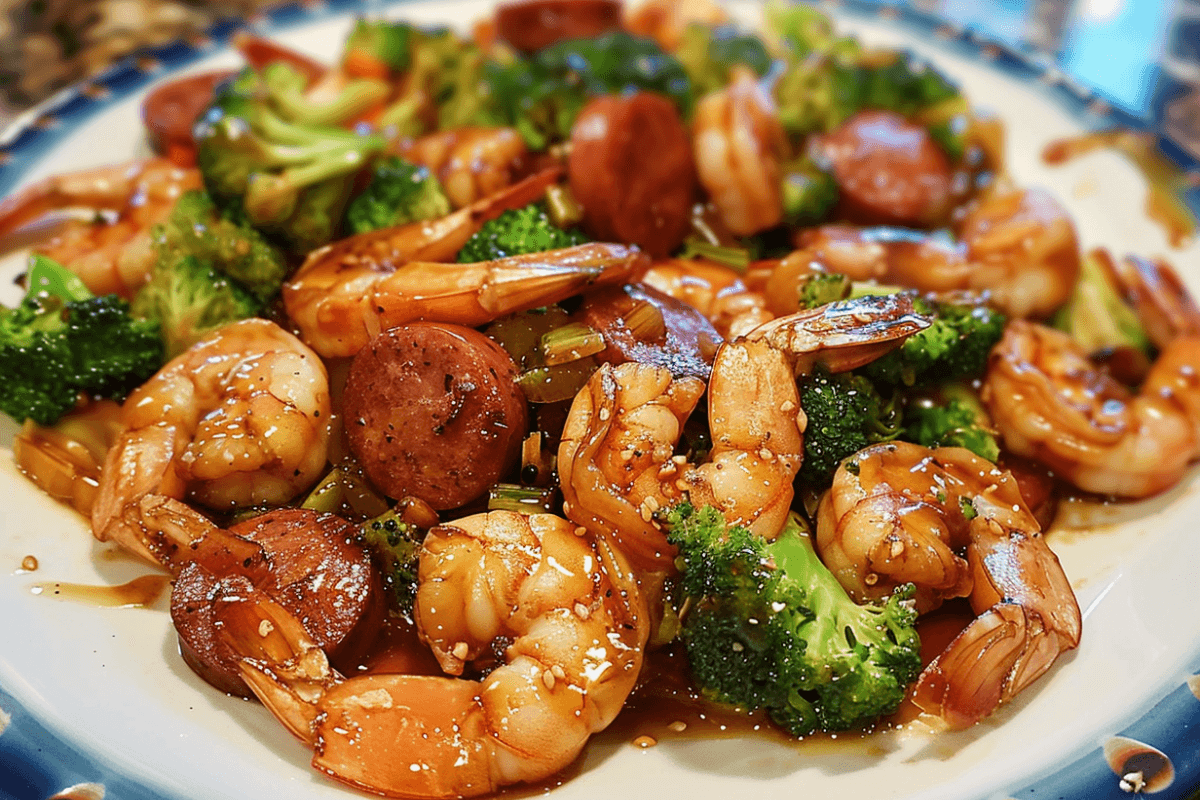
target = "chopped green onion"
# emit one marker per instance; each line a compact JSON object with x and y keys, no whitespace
{"x":327,"y":496}
{"x":736,"y":258}
{"x":645,"y":321}
{"x":571,"y":342}
{"x":521,"y":499}
{"x":556,"y":383}
{"x":564,"y":210}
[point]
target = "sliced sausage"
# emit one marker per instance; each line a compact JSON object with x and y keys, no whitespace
{"x":631,"y":169}
{"x":170,"y":111}
{"x":677,"y":336}
{"x":530,"y":25}
{"x":434,"y":411}
{"x":314,"y":567}
{"x":889,"y":171}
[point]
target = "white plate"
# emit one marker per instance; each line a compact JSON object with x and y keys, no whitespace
{"x":110,"y":689}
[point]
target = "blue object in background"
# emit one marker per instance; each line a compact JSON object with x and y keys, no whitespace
{"x":1127,"y":74}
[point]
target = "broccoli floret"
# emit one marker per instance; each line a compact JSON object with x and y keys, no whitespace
{"x":399,"y":192}
{"x":809,"y":192}
{"x":265,"y":153}
{"x":951,"y":417}
{"x":542,"y":95}
{"x":522,"y":230}
{"x":1096,"y":315}
{"x":827,"y":79}
{"x":845,"y":414}
{"x":442,"y":86}
{"x":955,"y":346}
{"x":821,"y":288}
{"x":769,"y":627}
{"x":189,"y":298}
{"x":196,"y":228}
{"x":61,"y":342}
{"x":377,"y":43}
{"x":709,"y":53}
{"x":397,"y":547}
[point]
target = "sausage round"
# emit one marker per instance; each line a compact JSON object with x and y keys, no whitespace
{"x":315,"y":569}
{"x":530,"y":25}
{"x":434,"y":411}
{"x":685,"y":344}
{"x":889,"y":171}
{"x":631,"y":169}
{"x":170,"y":111}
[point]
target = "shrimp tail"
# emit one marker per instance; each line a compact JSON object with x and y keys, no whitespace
{"x":1027,"y":616}
{"x":999,"y":654}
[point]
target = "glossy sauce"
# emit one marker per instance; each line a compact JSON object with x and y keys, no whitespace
{"x":1163,"y":202}
{"x":139,"y":592}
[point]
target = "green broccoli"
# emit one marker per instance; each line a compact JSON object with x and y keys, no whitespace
{"x":266,"y":154}
{"x":443,"y":84}
{"x":397,"y":547}
{"x":954,"y":347}
{"x":1096,"y":315}
{"x":378,"y":42}
{"x":845,"y":414}
{"x":827,"y":79}
{"x":708,"y":54}
{"x":809,"y":192}
{"x":767,"y":626}
{"x":518,"y":231}
{"x":541,"y":96}
{"x":951,"y":417}
{"x":820,"y":288}
{"x":62,"y":342}
{"x":189,"y":299}
{"x":799,"y":31}
{"x":399,"y":192}
{"x":198,"y":229}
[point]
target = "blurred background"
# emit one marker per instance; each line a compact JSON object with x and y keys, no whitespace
{"x":1143,"y":56}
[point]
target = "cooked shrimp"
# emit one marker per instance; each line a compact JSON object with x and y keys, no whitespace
{"x":666,"y":20}
{"x":240,"y":419}
{"x":900,"y":513}
{"x":110,"y":256}
{"x":471,"y":163}
{"x":574,"y":625}
{"x":1052,"y":404}
{"x":1017,"y":245}
{"x":738,"y":142}
{"x":616,"y":460}
{"x":1158,"y":295}
{"x":716,"y":291}
{"x":348,"y":291}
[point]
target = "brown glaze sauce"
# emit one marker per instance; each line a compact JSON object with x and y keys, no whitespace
{"x":665,"y":706}
{"x":139,"y":592}
{"x":1163,"y":202}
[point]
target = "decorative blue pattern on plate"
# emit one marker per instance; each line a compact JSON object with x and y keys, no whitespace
{"x":36,"y":764}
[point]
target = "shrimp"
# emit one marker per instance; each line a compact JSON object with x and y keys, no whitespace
{"x":240,"y":419}
{"x":574,"y":624}
{"x":1019,"y":246}
{"x":666,"y":20}
{"x":470,"y":163}
{"x":351,"y":290}
{"x":738,"y":144}
{"x":731,"y":304}
{"x":900,"y":513}
{"x":110,"y":256}
{"x":1052,"y":404}
{"x":616,"y":458}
